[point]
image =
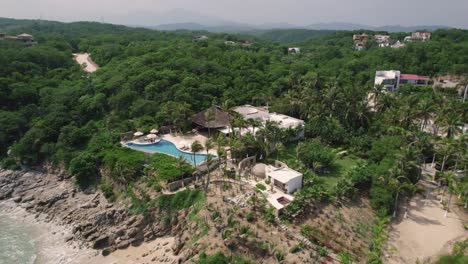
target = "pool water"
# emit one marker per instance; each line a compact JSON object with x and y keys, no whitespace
{"x":168,"y":148}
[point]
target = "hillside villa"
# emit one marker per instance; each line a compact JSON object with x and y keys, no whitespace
{"x":284,"y":178}
{"x":26,"y":39}
{"x":392,"y":80}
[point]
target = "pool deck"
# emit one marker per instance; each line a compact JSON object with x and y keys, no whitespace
{"x":186,"y":140}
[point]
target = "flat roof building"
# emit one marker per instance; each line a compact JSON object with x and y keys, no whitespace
{"x":284,"y":178}
{"x":263,"y":115}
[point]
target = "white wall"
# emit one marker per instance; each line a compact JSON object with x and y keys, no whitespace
{"x":294,"y":184}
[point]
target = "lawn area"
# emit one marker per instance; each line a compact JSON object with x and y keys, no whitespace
{"x":343,"y":164}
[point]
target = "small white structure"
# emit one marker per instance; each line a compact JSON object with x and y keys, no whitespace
{"x":398,"y":45}
{"x":284,"y":178}
{"x":199,"y":38}
{"x":294,"y":50}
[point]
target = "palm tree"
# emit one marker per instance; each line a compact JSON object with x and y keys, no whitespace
{"x":254,"y":123}
{"x":425,"y":111}
{"x":210,"y":115}
{"x":452,"y":124}
{"x":195,"y":147}
{"x":209,"y":158}
{"x":240,"y":123}
{"x":450,"y":180}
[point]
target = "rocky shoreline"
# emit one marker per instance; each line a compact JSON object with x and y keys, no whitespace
{"x":93,"y":222}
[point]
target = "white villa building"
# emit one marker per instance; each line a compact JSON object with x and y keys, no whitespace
{"x":392,"y":80}
{"x":284,"y":178}
{"x":294,"y":50}
{"x":263,"y":115}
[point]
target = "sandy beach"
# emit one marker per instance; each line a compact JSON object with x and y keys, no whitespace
{"x":425,"y":234}
{"x":52,"y":247}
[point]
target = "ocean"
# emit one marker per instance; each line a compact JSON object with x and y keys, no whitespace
{"x":17,"y":243}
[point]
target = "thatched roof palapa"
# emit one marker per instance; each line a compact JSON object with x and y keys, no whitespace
{"x":213,"y":117}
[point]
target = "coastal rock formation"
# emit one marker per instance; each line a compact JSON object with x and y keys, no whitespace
{"x":93,"y":220}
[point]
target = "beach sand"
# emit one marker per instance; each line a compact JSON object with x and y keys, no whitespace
{"x":425,"y":234}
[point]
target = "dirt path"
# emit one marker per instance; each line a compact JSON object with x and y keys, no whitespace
{"x":85,"y":58}
{"x":425,"y":233}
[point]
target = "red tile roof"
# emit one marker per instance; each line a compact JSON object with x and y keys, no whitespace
{"x":413,"y":77}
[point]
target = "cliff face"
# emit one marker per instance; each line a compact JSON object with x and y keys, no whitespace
{"x":94,"y":221}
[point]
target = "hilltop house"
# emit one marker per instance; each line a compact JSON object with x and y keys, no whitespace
{"x":284,"y":178}
{"x":263,"y":115}
{"x":419,"y":36}
{"x":294,"y":51}
{"x":26,"y":39}
{"x":392,"y":80}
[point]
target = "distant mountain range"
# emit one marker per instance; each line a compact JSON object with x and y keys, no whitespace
{"x":237,"y":27}
{"x":181,"y":19}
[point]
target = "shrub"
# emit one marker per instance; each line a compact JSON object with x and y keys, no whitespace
{"x":381,"y":198}
{"x":108,"y":191}
{"x":261,"y":186}
{"x":296,"y":248}
{"x":168,"y":168}
{"x":84,"y":168}
{"x":10,"y":163}
{"x":125,"y":165}
{"x":250,"y":217}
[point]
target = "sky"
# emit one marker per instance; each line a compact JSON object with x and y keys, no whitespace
{"x":453,"y":13}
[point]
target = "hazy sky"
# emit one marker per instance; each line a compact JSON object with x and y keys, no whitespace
{"x":300,"y":12}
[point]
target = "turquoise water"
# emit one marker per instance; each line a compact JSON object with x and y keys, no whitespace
{"x":168,"y":148}
{"x":16,"y":243}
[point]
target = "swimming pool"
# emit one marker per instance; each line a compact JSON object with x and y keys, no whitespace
{"x":166,"y":147}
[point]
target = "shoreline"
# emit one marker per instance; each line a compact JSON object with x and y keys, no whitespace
{"x":50,"y":241}
{"x":73,"y":227}
{"x":48,"y":237}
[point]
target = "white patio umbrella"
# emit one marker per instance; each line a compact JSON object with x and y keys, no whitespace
{"x":138,"y":134}
{"x":151,"y":136}
{"x":154,"y":131}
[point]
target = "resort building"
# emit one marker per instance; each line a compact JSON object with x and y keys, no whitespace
{"x":392,"y":80}
{"x":284,"y":178}
{"x":419,"y":36}
{"x":263,"y":115}
{"x":294,"y":51}
{"x":212,"y":118}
